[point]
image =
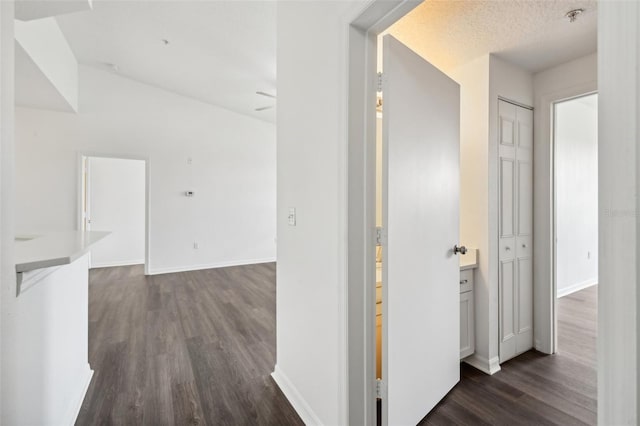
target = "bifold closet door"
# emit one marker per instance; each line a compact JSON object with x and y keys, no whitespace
{"x":515,"y":226}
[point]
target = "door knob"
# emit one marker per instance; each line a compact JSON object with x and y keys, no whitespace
{"x":461,"y":249}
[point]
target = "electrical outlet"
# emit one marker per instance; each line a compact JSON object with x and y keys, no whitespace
{"x":196,"y":246}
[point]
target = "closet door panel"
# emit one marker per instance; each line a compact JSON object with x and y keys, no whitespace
{"x":525,"y":128}
{"x":507,"y":126}
{"x":507,"y":311}
{"x":507,"y":197}
{"x":525,"y":198}
{"x":525,"y":295}
{"x":524,"y":332}
{"x":515,"y":226}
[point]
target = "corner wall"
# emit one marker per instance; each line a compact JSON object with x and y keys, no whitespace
{"x":570,"y":79}
{"x":576,"y":152}
{"x":619,"y":233}
{"x":473,"y":78}
{"x":7,"y":264}
{"x":311,"y":368}
{"x":228,"y":160}
{"x":482,"y":82}
{"x":509,"y":82}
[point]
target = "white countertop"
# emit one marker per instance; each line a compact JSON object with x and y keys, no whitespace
{"x":53,"y":248}
{"x":469,"y":260}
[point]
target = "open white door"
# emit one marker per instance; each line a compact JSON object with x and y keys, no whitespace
{"x":421,"y":331}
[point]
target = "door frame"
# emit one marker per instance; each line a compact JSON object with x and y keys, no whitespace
{"x":544,"y":292}
{"x":554,"y":211}
{"x":362,"y":32}
{"x":81,"y":155}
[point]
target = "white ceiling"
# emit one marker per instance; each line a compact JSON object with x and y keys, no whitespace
{"x":220,"y":52}
{"x":533,"y":34}
{"x":33,"y":88}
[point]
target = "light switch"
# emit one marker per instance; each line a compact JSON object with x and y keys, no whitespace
{"x":292,"y":216}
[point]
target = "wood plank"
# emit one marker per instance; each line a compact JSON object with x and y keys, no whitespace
{"x":534,"y":388}
{"x":191,"y":348}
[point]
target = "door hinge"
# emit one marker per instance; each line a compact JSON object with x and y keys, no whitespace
{"x":379,"y":84}
{"x":380,"y":389}
{"x":381,"y":237}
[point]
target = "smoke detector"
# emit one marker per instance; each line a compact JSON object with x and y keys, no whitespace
{"x":572,"y":15}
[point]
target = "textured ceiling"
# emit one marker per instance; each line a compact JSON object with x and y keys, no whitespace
{"x":220,"y":52}
{"x":533,"y":34}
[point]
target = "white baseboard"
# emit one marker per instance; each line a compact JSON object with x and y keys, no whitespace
{"x":112,"y":264}
{"x":303,"y":409}
{"x":483,"y":364}
{"x":173,"y":269}
{"x":577,"y":287}
{"x":75,"y":408}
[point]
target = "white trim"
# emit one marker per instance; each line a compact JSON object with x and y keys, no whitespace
{"x":577,"y":287}
{"x":544,"y":286}
{"x":308,"y":416}
{"x":147,"y":197}
{"x":373,"y":18}
{"x":173,"y":269}
{"x":74,"y":410}
{"x":28,"y":279}
{"x":112,"y":264}
{"x":483,"y":364}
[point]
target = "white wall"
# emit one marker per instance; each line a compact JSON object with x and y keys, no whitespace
{"x":232,"y":170}
{"x":473,"y":78}
{"x":571,"y":79}
{"x":47,"y":364}
{"x":312,"y":154}
{"x":117,"y":202}
{"x":7,"y":264}
{"x":512,"y":83}
{"x":618,"y":179}
{"x":482,"y":81}
{"x":576,"y":159}
{"x":47,"y":47}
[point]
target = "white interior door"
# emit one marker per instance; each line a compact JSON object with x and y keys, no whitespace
{"x":117,"y":203}
{"x":421,"y":301}
{"x":515,"y":219}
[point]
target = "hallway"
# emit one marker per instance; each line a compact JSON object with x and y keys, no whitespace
{"x":534,"y":388}
{"x":192,"y":348}
{"x":198,"y":348}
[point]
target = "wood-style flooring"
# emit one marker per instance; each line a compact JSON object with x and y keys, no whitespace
{"x":533,"y":388}
{"x":193,"y":348}
{"x":197,"y":348}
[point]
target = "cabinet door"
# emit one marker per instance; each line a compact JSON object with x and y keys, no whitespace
{"x":467,"y":334}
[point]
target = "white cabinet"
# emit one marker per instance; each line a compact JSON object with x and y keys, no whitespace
{"x":467,"y":324}
{"x":515,"y":229}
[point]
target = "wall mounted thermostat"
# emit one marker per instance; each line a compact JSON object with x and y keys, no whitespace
{"x":189,"y":193}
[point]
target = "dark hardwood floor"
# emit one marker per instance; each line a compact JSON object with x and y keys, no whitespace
{"x":198,"y":348}
{"x":534,"y":389}
{"x":191,"y":348}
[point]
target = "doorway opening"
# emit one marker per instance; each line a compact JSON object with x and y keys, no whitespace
{"x":496,"y":167}
{"x":113,"y":198}
{"x":575,"y":143}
